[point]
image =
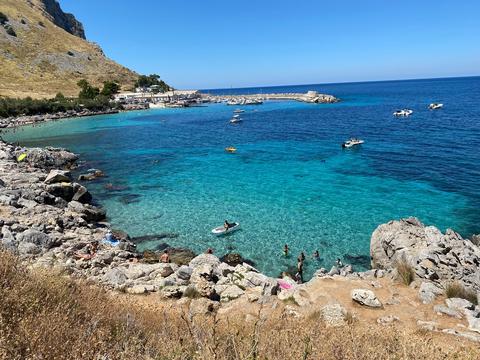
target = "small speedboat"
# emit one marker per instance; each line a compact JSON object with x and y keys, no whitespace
{"x":231,"y":149}
{"x":220,"y":230}
{"x":435,"y":106}
{"x":236,"y":116}
{"x":235,"y":120}
{"x":352,"y":142}
{"x":403,"y":112}
{"x":238,"y":111}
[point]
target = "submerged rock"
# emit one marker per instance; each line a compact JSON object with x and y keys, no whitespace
{"x":234,"y":259}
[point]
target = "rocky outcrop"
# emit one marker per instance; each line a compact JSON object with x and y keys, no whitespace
{"x":437,"y":257}
{"x":68,"y":22}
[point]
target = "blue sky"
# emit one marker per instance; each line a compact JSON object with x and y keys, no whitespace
{"x":231,"y":43}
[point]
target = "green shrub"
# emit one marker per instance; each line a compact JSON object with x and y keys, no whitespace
{"x":405,"y":272}
{"x":457,"y":290}
{"x":3,"y":18}
{"x":10,"y":31}
{"x":191,"y":292}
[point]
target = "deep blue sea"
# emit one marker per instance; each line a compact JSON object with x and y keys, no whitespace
{"x":290,"y":181}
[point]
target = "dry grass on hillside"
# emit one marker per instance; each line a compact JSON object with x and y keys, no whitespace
{"x":51,"y":317}
{"x":43,"y":60}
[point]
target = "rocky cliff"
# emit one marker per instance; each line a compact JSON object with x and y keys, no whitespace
{"x":43,"y":52}
{"x":52,"y":10}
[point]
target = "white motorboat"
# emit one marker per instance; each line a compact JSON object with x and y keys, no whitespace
{"x":403,"y":112}
{"x":435,"y":106}
{"x":235,"y":120}
{"x":220,"y":230}
{"x":236,"y":116}
{"x":157,"y":105}
{"x":253,"y":102}
{"x":352,"y":142}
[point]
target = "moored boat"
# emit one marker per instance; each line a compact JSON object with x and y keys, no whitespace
{"x":352,"y":142}
{"x":435,"y":106}
{"x":221,"y":230}
{"x":231,"y":149}
{"x":403,"y":112}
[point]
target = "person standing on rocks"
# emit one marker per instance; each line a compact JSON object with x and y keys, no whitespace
{"x":299,"y":274}
{"x":165,"y":258}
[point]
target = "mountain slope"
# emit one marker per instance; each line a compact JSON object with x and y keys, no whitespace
{"x":44,"y":58}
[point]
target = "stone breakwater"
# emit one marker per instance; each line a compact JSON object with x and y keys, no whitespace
{"x":310,"y":97}
{"x":48,"y":220}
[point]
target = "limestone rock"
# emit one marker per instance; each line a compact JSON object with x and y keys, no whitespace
{"x":202,"y":306}
{"x":459,"y":304}
{"x":204,"y":259}
{"x":184,"y":272}
{"x":115,"y":277}
{"x":172,"y":292}
{"x":438,"y":257}
{"x":428,"y":292}
{"x":334,"y":315}
{"x":35,"y":237}
{"x":442,"y":309}
{"x":387,"y":320}
{"x":366,"y":298}
{"x":230,"y":293}
{"x":57,"y":176}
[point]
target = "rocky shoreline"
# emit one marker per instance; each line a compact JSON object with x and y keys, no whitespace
{"x":12,"y":122}
{"x":47,"y":219}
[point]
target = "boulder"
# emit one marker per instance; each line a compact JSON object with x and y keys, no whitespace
{"x":459,"y":304}
{"x":203,"y":259}
{"x":115,"y":277}
{"x":81,"y":194}
{"x":202,"y":306}
{"x":428,"y":292}
{"x":366,"y":298}
{"x":203,"y":271}
{"x":444,"y":310}
{"x":28,"y":248}
{"x":334,"y":315}
{"x":172,"y":292}
{"x":387,"y":320}
{"x":35,"y":237}
{"x":62,"y":190}
{"x":57,"y":176}
{"x":205,"y":289}
{"x":230,"y":293}
{"x":49,"y":157}
{"x":184,"y":272}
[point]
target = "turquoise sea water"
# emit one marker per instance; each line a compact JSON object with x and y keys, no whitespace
{"x":290,"y":181}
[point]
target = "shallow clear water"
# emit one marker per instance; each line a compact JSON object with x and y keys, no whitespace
{"x":290,"y":181}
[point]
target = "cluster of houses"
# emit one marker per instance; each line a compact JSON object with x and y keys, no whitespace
{"x":152,"y":98}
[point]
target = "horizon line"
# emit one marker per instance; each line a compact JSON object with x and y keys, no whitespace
{"x":342,"y":82}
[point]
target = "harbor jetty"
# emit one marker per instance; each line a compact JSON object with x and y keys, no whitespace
{"x":308,"y":97}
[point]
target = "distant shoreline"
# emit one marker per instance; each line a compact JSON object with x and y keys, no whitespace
{"x":19,"y":121}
